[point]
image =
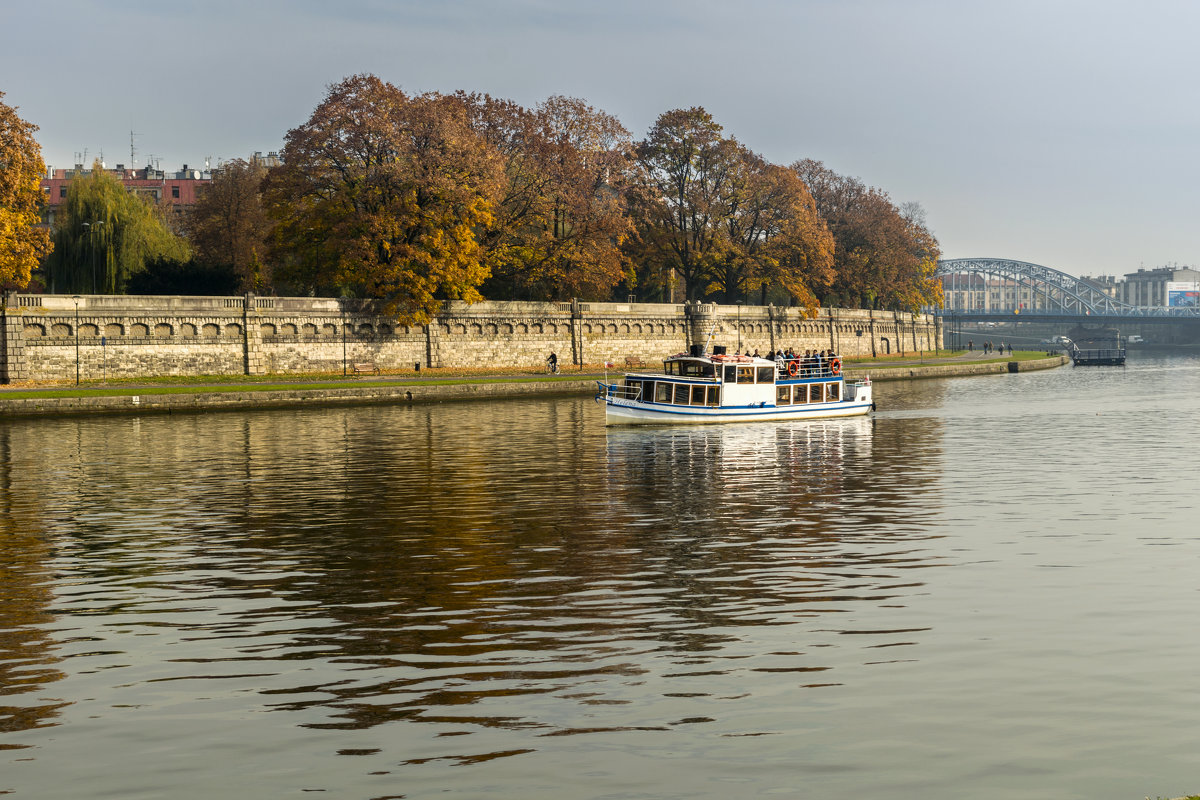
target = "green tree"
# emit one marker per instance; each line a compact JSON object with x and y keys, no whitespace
{"x":22,"y":245}
{"x":381,"y":194}
{"x":104,"y":234}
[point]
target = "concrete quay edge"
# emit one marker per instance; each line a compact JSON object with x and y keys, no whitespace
{"x":399,"y":393}
{"x":951,"y":370}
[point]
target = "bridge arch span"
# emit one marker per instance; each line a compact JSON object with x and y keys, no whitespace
{"x":1051,"y":290}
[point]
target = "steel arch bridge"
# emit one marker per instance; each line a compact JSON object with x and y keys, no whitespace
{"x":1053,"y":291}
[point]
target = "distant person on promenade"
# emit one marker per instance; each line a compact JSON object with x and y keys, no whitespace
{"x":552,"y":362}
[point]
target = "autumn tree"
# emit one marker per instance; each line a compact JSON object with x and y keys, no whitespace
{"x":228,"y":226}
{"x":22,"y":245}
{"x":559,"y":221}
{"x":381,"y":194}
{"x":104,"y":234}
{"x":883,"y":259}
{"x":682,"y":195}
{"x":775,"y":235}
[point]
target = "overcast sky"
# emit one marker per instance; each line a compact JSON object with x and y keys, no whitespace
{"x":1062,"y":133}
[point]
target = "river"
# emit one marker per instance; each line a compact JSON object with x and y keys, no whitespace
{"x":989,"y":589}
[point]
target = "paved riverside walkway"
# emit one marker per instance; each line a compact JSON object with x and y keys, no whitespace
{"x":176,"y":395}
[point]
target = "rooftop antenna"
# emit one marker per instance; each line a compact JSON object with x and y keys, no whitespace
{"x":132,"y":149}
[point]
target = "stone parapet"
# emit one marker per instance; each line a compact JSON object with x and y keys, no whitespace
{"x":48,"y":336}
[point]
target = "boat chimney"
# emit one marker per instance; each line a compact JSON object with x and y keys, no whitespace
{"x":696,"y":350}
{"x":718,"y":349}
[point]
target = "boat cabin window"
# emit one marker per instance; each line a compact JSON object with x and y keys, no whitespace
{"x":831,"y":391}
{"x":639,"y":390}
{"x":801,"y":395}
{"x":766,"y":374}
{"x":745,"y":374}
{"x":691,"y":369}
{"x":783,"y":394}
{"x":730,"y":374}
{"x":683,"y":394}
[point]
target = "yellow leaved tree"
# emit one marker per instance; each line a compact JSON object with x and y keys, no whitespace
{"x":22,"y":245}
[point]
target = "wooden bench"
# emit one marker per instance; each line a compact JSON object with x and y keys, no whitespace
{"x":634,"y":361}
{"x":365,"y":367}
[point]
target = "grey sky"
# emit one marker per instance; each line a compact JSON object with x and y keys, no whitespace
{"x":1062,"y":133}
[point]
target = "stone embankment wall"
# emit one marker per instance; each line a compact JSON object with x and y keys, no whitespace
{"x":55,"y":337}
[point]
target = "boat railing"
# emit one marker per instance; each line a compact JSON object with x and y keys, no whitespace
{"x":616,"y":391}
{"x":804,"y":371}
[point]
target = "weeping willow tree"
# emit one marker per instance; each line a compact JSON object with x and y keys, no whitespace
{"x":104,"y":234}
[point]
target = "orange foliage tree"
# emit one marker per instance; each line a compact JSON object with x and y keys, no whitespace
{"x":883,"y":258}
{"x":560,"y":220}
{"x":22,"y":245}
{"x":775,"y":235}
{"x":228,"y":225}
{"x":380,"y":194}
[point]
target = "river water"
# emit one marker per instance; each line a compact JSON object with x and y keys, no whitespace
{"x":990,"y":589}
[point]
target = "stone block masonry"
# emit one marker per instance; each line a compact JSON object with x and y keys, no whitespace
{"x":47,"y":337}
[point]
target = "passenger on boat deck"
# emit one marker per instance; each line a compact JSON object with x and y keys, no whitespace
{"x":756,"y":355}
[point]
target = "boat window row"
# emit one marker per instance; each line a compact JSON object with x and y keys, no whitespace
{"x":739,"y":374}
{"x":800,"y":394}
{"x":677,"y":394}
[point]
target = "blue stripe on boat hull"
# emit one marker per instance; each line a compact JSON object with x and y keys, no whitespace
{"x":616,"y":414}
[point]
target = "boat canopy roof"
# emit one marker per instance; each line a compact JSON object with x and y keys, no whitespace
{"x":722,"y":359}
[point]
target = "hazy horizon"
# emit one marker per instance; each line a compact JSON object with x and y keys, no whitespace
{"x":1059,"y":134}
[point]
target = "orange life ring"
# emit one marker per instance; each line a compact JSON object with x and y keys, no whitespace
{"x":793,"y":368}
{"x":835,"y":366}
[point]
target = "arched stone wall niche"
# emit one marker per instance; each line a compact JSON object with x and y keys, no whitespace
{"x":163,"y":331}
{"x":89,"y":330}
{"x":233,"y":331}
{"x":34,"y":331}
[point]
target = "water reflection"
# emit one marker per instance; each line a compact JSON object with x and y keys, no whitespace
{"x":511,"y":573}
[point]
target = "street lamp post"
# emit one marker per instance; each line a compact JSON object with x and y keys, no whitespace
{"x":76,"y":299}
{"x":91,"y":228}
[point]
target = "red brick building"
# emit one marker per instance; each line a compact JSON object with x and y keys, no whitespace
{"x":178,"y":189}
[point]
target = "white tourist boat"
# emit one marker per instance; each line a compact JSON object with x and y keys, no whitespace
{"x":700,"y":388}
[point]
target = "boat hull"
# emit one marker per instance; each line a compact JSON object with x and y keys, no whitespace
{"x":618,"y":412}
